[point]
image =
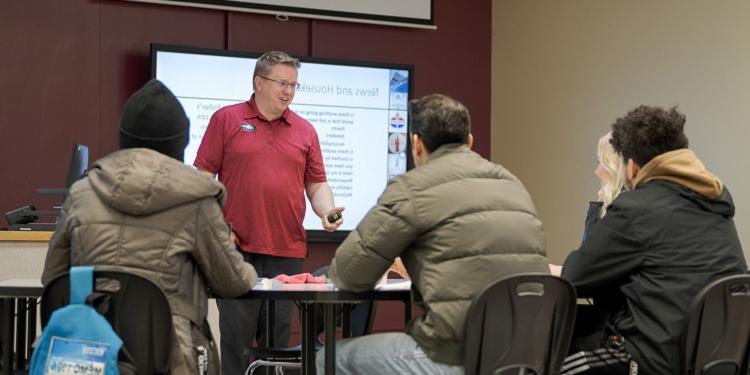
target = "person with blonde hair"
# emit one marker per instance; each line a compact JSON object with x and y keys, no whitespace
{"x":610,"y":170}
{"x":611,"y":173}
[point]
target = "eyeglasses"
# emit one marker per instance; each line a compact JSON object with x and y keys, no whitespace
{"x":283,"y":84}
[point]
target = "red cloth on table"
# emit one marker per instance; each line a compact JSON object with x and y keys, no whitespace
{"x":302,"y":278}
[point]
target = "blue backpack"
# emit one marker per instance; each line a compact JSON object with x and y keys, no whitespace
{"x":77,"y":339}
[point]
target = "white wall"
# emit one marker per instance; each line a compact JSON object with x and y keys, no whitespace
{"x":563,"y":71}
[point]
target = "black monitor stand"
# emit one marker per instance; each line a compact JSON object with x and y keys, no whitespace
{"x":25,"y":218}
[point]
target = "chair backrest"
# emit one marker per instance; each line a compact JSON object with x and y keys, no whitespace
{"x":716,"y":337}
{"x":137,"y":309}
{"x":520,"y":324}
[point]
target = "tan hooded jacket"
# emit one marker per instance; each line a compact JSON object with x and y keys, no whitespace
{"x":684,"y":168}
{"x":146,"y":213}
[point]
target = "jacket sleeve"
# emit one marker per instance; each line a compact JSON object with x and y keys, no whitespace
{"x":211,"y":150}
{"x":226,"y":272}
{"x":57,"y":260}
{"x":384,"y":233}
{"x":592,"y":218}
{"x":610,"y":253}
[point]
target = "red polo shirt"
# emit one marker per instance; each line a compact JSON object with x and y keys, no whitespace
{"x":264,"y":166}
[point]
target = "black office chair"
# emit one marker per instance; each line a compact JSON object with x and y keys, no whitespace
{"x":137,"y":309}
{"x":716,"y":337}
{"x":521,"y":324}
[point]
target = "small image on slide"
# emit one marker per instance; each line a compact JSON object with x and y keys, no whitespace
{"x":398,"y":100}
{"x":396,"y":143}
{"x":396,"y":164}
{"x":399,"y":89}
{"x":399,"y":81}
{"x":397,"y":122}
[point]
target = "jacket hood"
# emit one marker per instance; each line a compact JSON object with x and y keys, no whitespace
{"x":681,"y":167}
{"x":141,"y":181}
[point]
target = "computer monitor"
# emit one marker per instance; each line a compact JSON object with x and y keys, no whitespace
{"x":79,"y":164}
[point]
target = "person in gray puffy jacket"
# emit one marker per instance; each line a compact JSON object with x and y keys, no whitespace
{"x":458,"y":222}
{"x":141,"y":210}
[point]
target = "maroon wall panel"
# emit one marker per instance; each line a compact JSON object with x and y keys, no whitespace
{"x":127,"y":31}
{"x":49,"y":94}
{"x":453,"y":60}
{"x":68,"y":66}
{"x":263,"y":32}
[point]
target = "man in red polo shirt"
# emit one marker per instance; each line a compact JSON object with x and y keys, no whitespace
{"x":267,"y":156}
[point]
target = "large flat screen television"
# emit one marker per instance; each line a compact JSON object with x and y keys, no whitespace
{"x":359,"y":110}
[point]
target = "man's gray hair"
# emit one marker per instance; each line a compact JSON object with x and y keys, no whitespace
{"x":270,"y":59}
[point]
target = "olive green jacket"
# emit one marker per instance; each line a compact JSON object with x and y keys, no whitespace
{"x":143,"y":212}
{"x":459,"y":222}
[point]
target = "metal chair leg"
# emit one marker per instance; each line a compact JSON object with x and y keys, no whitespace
{"x":251,"y":369}
{"x":278,"y":365}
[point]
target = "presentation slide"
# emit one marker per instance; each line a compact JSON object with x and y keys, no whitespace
{"x":358,"y":111}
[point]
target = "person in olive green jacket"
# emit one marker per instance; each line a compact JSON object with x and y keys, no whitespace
{"x":458,"y":222}
{"x":141,"y":210}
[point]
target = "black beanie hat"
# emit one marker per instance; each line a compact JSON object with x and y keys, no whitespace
{"x":153,"y":118}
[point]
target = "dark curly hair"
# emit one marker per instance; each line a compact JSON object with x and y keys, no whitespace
{"x":438,"y":120}
{"x":647,"y":132}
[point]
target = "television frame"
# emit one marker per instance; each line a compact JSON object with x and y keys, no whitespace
{"x":312,"y":235}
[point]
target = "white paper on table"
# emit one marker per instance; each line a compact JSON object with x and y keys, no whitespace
{"x":399,"y":285}
{"x":264,"y":283}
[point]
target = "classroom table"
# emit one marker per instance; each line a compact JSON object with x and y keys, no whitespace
{"x":310,"y":296}
{"x":19,"y":298}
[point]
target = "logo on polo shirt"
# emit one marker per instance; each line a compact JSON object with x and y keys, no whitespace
{"x":248,"y":127}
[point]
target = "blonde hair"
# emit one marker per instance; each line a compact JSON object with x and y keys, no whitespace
{"x":615,"y":168}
